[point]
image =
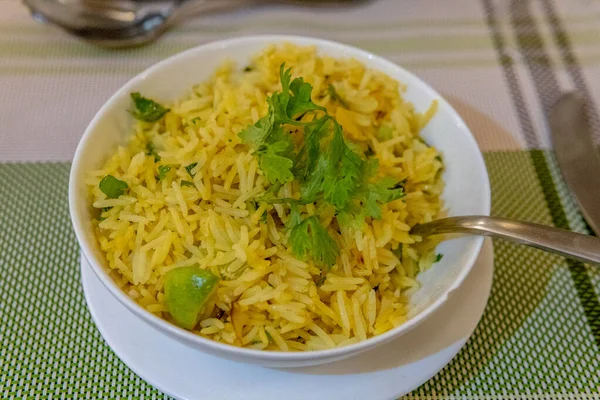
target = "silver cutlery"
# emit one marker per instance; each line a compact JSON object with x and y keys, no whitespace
{"x":566,"y":243}
{"x":127,"y":23}
{"x":580,"y":165}
{"x":576,"y":155}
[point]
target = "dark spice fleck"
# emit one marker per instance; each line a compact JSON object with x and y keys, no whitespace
{"x":299,"y":117}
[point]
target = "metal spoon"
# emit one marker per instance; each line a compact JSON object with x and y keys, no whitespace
{"x":127,"y":23}
{"x":566,"y":243}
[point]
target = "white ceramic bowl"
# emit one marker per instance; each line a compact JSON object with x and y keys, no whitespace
{"x":467,"y":187}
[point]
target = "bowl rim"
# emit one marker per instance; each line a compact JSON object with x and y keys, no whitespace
{"x":239,"y":352}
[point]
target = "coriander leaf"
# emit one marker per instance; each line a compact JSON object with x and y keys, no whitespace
{"x":255,"y":135}
{"x":294,"y":218}
{"x":190,"y":167}
{"x":187,"y":183}
{"x":313,"y":186}
{"x":276,"y":168}
{"x":388,"y":189}
{"x":324,"y":250}
{"x":300,"y":239}
{"x":287,"y":105}
{"x":308,"y":156}
{"x":281,"y":142}
{"x":338,"y":145}
{"x":311,"y":237}
{"x":162,"y":172}
{"x":379,"y":193}
{"x":112,"y":187}
{"x":351,"y":219}
{"x":278,"y":102}
{"x":301,"y":101}
{"x":280,"y":146}
{"x":438,"y":258}
{"x":343,"y":179}
{"x":147,"y":110}
{"x":335,"y":96}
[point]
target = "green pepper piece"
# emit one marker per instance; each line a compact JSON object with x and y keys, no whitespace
{"x":187,"y":290}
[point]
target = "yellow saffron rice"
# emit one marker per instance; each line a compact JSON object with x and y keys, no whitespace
{"x":267,"y":298}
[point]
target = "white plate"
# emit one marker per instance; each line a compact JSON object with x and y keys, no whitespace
{"x":387,"y":372}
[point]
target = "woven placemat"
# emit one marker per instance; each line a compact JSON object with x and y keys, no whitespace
{"x":537,"y":339}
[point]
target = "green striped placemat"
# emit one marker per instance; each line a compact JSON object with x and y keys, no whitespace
{"x":539,"y":337}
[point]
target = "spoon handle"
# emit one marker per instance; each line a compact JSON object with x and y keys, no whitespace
{"x":191,"y":8}
{"x":566,"y":243}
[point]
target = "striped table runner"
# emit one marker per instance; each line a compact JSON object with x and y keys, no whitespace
{"x":501,"y":64}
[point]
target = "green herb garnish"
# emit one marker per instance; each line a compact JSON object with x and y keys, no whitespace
{"x":187,"y":183}
{"x":335,"y":96}
{"x":310,"y":236}
{"x":112,"y":187}
{"x":327,"y":168}
{"x":163,"y":170}
{"x":189,"y":169}
{"x":147,"y":110}
{"x":438,"y":257}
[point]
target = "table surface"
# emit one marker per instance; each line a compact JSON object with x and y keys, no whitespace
{"x":500,"y":63}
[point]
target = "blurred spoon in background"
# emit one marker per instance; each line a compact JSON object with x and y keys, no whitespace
{"x":127,"y":23}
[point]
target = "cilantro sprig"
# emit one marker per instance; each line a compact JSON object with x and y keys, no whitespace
{"x":327,"y":168}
